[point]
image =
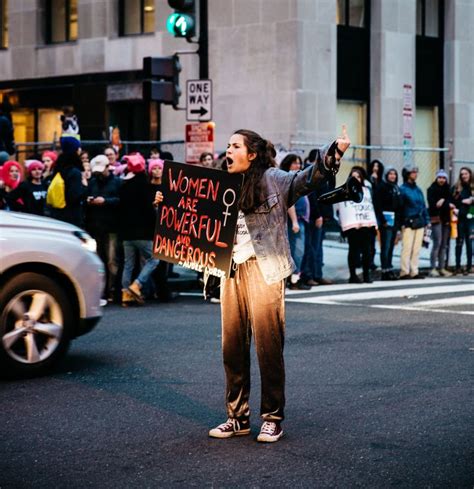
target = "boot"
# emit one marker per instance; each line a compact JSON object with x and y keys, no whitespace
{"x":127,"y":298}
{"x":135,"y":290}
{"x":367,"y":278}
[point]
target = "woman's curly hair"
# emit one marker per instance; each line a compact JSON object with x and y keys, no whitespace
{"x":250,"y":197}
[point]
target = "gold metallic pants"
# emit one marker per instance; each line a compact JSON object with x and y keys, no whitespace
{"x":251,"y":307}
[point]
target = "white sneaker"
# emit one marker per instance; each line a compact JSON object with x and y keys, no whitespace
{"x":434,"y":273}
{"x":445,"y":273}
{"x":230,"y":428}
{"x":270,"y":432}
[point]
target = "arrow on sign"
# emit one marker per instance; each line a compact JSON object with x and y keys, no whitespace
{"x":200,"y":111}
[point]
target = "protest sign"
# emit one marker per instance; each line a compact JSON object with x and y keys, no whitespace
{"x":356,"y":215}
{"x":196,"y":221}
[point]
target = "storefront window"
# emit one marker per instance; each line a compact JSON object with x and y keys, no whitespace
{"x":61,"y":21}
{"x":136,"y":17}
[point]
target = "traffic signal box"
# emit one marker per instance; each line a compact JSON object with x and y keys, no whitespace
{"x":182,"y":22}
{"x":162,"y":79}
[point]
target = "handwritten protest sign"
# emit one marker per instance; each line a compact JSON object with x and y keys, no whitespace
{"x":196,"y":221}
{"x":353,"y":215}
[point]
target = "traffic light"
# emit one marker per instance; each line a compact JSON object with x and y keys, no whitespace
{"x":162,"y":79}
{"x":182,"y":22}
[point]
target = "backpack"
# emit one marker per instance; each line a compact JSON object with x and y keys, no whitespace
{"x":56,"y":196}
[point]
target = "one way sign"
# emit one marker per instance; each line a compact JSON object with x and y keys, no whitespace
{"x":199,"y":100}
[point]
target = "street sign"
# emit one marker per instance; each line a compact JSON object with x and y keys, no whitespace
{"x":199,"y":100}
{"x":199,"y":139}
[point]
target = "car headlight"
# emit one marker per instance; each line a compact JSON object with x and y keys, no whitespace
{"x":87,"y":241}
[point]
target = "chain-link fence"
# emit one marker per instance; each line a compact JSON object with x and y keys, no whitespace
{"x":428,"y":160}
{"x":26,"y":151}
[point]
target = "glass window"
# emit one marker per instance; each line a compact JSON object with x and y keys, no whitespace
{"x":351,"y":12}
{"x":137,"y":17}
{"x":431,"y":18}
{"x":62,"y":23}
{"x":354,"y":114}
{"x":3,"y":23}
{"x":341,"y":12}
{"x":427,"y":18}
{"x":357,"y":13}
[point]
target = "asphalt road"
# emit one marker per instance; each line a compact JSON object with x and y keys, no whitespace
{"x":375,"y":398}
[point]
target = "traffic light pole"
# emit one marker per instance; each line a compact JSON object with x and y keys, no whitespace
{"x":203,"y":50}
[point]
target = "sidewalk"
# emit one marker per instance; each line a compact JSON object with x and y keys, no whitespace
{"x":335,"y":258}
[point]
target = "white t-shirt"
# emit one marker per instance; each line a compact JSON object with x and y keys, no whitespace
{"x":243,"y":247}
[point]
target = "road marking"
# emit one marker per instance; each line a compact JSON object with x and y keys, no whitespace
{"x":375,"y":285}
{"x":384,"y":294}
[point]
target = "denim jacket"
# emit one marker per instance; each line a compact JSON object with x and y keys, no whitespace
{"x":267,"y":224}
{"x":413,"y":202}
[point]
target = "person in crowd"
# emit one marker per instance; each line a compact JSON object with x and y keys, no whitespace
{"x":161,"y":289}
{"x":136,"y":228}
{"x":117,"y":167}
{"x":388,"y":204}
{"x":206,"y":160}
{"x":32,"y":191}
{"x":154,"y":153}
{"x":7,"y":141}
{"x":439,"y":208}
{"x":375,"y":176}
{"x":85,"y":158}
{"x":155,"y":173}
{"x":69,"y":166}
{"x":463,"y":199}
{"x":87,"y":170}
{"x":4,"y":157}
{"x":298,"y":220}
{"x":49,"y":160}
{"x":11,"y":175}
{"x":376,"y":173}
{"x":358,"y":223}
{"x":252,"y":301}
{"x":102,"y":219}
{"x":414,"y":221}
{"x":319,"y":215}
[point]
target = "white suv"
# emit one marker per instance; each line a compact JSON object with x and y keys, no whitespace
{"x":51,"y":281}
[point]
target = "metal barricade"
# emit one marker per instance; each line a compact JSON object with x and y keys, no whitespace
{"x":428,"y":160}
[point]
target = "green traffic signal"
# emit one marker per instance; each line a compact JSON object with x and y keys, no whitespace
{"x":181,"y":25}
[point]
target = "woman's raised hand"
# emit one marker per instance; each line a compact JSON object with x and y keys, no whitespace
{"x":343,"y":141}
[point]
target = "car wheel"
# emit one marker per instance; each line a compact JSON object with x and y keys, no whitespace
{"x":36,"y":321}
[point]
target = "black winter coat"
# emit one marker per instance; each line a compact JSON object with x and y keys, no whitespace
{"x":103,"y":218}
{"x":387,"y":198}
{"x":434,"y":193}
{"x":136,"y":212}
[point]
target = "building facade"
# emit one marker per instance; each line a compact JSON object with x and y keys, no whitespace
{"x":397,"y":72}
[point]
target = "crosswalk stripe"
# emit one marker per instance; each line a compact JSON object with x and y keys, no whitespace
{"x":375,"y":285}
{"x":421,"y":308}
{"x":383,"y":294}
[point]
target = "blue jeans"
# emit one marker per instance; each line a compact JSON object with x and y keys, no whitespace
{"x":312,"y":267}
{"x":297,"y":243}
{"x":144,"y":249}
{"x":387,"y":243}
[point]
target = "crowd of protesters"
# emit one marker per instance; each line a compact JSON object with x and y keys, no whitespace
{"x":111,"y":196}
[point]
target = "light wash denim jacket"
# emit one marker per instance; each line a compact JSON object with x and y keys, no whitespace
{"x":267,"y":224}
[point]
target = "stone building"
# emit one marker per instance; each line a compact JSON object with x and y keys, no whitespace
{"x":397,"y":71}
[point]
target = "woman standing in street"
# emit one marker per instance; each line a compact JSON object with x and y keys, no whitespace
{"x":359,"y":224}
{"x":439,"y":208}
{"x":463,"y":199}
{"x":252,"y":301}
{"x":414,"y":220}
